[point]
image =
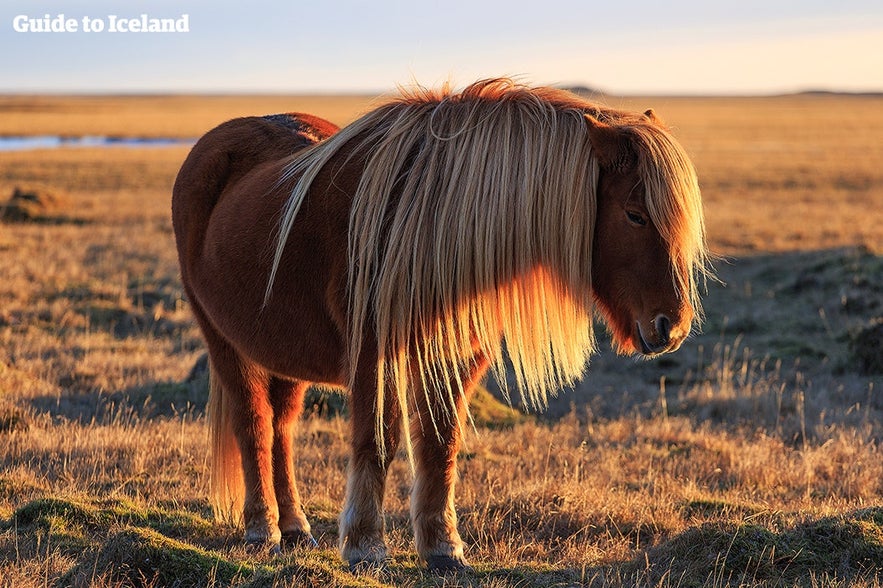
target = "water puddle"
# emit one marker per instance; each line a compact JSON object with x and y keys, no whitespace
{"x":26,"y":143}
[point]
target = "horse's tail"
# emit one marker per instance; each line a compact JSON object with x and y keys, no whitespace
{"x":227,"y":489}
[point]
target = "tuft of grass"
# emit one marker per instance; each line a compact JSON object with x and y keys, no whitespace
{"x":143,"y":557}
{"x":143,"y":552}
{"x":487,"y":411}
{"x":846,"y":547}
{"x":41,"y":512}
{"x":34,"y":204}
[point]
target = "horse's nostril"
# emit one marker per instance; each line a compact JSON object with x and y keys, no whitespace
{"x":663,"y":328}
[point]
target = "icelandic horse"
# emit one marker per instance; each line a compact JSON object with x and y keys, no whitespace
{"x":403,"y":256}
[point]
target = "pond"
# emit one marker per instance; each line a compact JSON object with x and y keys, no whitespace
{"x":26,"y":143}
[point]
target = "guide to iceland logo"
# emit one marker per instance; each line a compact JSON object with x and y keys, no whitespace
{"x":111,"y":23}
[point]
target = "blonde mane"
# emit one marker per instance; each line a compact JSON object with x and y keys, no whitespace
{"x":471,"y":233}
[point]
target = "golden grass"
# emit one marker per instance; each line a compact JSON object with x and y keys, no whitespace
{"x":571,"y":498}
{"x":158,"y":116}
{"x":787,"y":173}
{"x":778,"y":174}
{"x":764,"y":436}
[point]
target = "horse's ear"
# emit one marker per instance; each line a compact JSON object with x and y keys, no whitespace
{"x":611,"y":145}
{"x":652,"y":117}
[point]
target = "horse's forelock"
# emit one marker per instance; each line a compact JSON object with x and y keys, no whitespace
{"x":674,"y":202}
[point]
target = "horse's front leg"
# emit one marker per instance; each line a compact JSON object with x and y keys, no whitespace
{"x":361,"y":521}
{"x":433,"y":513}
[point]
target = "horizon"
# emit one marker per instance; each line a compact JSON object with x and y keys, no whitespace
{"x":392,"y":91}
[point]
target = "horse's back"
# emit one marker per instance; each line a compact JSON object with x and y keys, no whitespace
{"x":229,"y":151}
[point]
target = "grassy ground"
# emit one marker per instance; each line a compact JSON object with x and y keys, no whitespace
{"x":752,"y":456}
{"x":158,"y":116}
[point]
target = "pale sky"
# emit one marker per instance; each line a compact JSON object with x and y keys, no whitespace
{"x":618,"y":46}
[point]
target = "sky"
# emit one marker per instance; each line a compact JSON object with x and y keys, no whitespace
{"x":314,"y":46}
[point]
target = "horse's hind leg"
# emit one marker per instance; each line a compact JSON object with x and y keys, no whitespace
{"x":433,"y":514}
{"x":246,"y":404}
{"x":287,"y":398}
{"x":361,"y":521}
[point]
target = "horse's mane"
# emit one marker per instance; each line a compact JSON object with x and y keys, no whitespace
{"x":474,"y":217}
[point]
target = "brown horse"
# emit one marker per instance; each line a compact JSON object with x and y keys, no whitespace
{"x":398,"y":257}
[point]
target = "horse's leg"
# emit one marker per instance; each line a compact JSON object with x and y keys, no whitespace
{"x":433,"y":514}
{"x":361,"y":521}
{"x":247,"y":405}
{"x":287,"y":398}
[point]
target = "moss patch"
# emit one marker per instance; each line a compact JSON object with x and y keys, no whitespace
{"x":38,"y":513}
{"x":136,"y":546}
{"x":489,"y":412}
{"x":131,"y":545}
{"x":143,"y":557}
{"x":846,"y":547}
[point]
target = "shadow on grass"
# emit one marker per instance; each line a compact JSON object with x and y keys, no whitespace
{"x":819,"y":313}
{"x":190,"y":396}
{"x":164,"y":399}
{"x":816,"y":312}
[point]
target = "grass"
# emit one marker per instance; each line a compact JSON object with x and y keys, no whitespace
{"x":750,"y":457}
{"x":635,"y":499}
{"x":158,"y":116}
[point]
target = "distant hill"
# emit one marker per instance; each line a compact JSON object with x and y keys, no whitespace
{"x":584,"y":91}
{"x":835,"y":93}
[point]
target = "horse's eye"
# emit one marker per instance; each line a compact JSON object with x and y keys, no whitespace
{"x":636,"y":218}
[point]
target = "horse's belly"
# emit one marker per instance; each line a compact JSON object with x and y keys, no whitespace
{"x":296,"y":334}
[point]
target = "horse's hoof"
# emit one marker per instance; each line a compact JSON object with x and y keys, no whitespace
{"x":368,"y":566}
{"x":260,"y":547}
{"x":447,"y":563}
{"x":298,"y":539}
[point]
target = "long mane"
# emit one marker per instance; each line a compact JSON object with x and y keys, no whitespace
{"x":471,"y":233}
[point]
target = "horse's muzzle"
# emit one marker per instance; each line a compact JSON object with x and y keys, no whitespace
{"x":662,"y":342}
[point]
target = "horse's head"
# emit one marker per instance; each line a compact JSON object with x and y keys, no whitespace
{"x":649,"y":237}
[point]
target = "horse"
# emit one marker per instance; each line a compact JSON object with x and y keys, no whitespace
{"x":439,"y":236}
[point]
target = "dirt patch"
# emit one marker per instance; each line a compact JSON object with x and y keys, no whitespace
{"x":35,"y":204}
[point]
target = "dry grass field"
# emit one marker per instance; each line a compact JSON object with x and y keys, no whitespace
{"x":750,"y":457}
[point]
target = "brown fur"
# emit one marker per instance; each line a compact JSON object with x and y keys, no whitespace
{"x":378,"y":259}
